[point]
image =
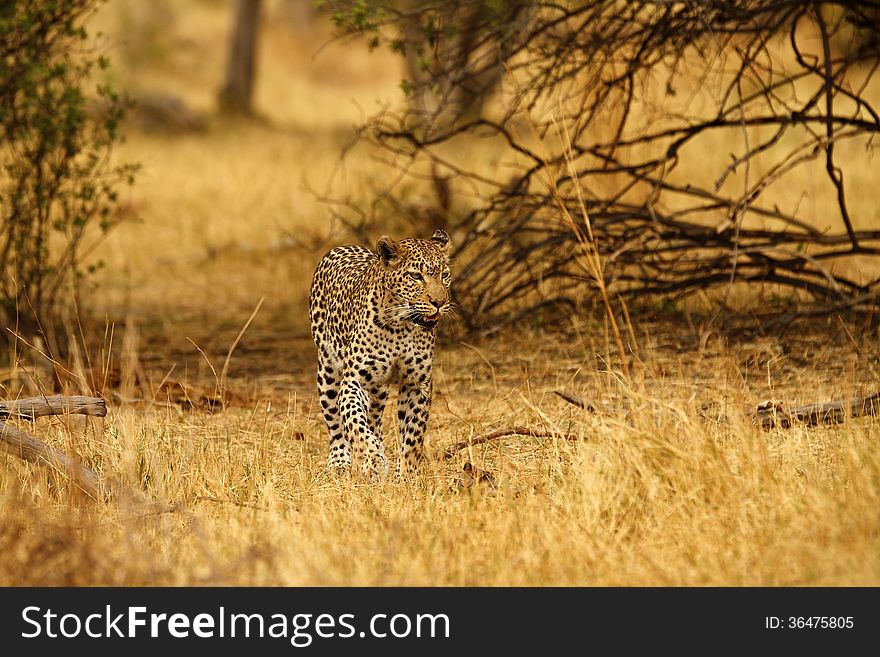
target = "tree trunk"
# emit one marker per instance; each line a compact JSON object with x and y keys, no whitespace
{"x":237,"y":91}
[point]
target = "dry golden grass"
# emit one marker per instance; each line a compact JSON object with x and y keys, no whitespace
{"x":656,"y":491}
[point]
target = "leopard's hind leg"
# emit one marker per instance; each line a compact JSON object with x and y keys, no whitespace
{"x":329,"y":378}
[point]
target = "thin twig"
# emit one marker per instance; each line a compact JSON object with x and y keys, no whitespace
{"x":574,"y":399}
{"x":450,"y":452}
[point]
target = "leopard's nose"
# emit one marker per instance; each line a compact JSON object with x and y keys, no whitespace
{"x":438,"y":304}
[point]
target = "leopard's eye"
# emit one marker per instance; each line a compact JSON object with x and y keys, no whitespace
{"x":416,"y":276}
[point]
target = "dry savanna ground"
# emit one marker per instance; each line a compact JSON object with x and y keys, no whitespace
{"x":669,"y":483}
{"x":666,"y":482}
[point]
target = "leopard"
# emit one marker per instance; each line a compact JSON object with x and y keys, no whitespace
{"x":374,"y":317}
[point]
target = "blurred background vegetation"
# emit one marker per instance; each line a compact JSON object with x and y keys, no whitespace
{"x":713,"y":156}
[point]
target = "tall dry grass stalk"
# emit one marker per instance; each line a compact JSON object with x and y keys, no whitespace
{"x":592,"y":257}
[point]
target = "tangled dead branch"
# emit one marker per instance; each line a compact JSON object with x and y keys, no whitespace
{"x":677,"y":136}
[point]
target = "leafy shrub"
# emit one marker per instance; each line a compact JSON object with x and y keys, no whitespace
{"x":58,"y":186}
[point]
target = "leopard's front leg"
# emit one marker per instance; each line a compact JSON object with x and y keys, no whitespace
{"x":367,"y":446}
{"x":413,"y":408}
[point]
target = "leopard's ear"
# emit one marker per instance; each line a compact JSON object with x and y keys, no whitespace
{"x":441,"y":237}
{"x":389,"y":250}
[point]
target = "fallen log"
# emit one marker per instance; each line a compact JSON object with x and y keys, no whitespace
{"x":33,"y":450}
{"x":772,"y":414}
{"x":30,"y":408}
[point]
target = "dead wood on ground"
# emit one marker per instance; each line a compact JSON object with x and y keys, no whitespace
{"x":33,"y":450}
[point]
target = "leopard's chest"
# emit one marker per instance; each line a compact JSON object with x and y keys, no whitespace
{"x":384,"y":356}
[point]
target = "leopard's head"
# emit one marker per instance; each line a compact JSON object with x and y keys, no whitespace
{"x":416,"y":278}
